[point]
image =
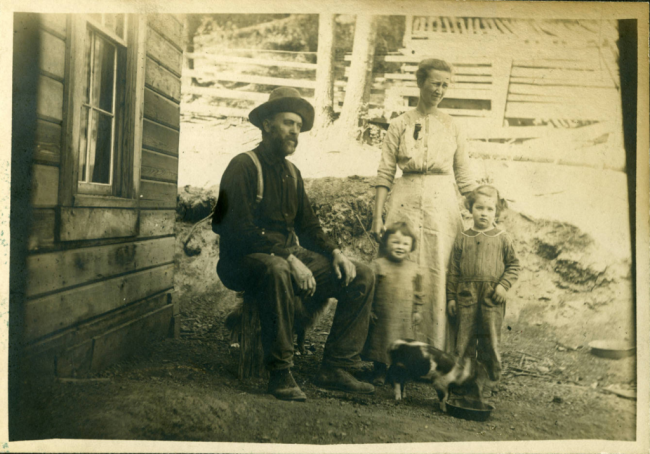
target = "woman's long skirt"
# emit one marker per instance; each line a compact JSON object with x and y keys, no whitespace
{"x":430,"y":204}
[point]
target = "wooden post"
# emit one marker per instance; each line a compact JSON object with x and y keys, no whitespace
{"x":251,"y":354}
{"x":360,"y":76}
{"x":190,"y":24}
{"x":324,"y":92}
{"x":408,"y":31}
{"x":501,"y":69}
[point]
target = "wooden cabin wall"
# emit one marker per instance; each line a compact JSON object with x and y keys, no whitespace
{"x":100,"y":279}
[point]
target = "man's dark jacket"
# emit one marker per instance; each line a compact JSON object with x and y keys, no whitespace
{"x":270,"y":227}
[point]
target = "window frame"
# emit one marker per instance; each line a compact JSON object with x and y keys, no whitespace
{"x":127,"y":134}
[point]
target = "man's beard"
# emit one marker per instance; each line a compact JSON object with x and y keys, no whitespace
{"x":285,"y":147}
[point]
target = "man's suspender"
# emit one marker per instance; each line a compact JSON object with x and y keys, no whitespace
{"x":260,"y":176}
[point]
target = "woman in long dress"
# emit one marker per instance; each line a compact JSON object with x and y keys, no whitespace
{"x":430,"y":149}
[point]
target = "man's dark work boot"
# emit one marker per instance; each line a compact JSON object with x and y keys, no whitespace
{"x":284,"y":387}
{"x":341,"y":380}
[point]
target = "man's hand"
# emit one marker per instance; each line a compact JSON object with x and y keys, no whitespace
{"x":499,"y":294}
{"x":417,"y":318}
{"x":451,"y":308}
{"x":343,"y":267}
{"x":303,"y":277}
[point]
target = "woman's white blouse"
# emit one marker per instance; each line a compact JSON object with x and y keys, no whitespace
{"x":438,"y":149}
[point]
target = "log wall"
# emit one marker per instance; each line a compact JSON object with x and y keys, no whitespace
{"x":100,"y":277}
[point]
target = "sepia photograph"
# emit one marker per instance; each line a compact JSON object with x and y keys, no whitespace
{"x":301,"y":228}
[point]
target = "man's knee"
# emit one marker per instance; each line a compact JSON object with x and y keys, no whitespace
{"x":365,"y":276}
{"x":277,"y":268}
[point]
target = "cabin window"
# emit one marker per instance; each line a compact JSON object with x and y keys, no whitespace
{"x":102,"y":118}
{"x":104,"y":73}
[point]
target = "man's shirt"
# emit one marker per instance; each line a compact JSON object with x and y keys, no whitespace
{"x":247,"y":227}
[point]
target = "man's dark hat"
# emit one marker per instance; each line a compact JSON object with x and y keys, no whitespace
{"x":284,"y":99}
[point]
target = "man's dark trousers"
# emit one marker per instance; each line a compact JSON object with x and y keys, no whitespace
{"x":268,"y":278}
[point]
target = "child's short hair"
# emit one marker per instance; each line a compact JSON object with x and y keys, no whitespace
{"x":402,"y":227}
{"x":486,"y":190}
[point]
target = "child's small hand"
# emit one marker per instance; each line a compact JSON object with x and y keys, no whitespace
{"x":417,"y":318}
{"x":373,"y":317}
{"x":451,"y":307}
{"x":499,"y":294}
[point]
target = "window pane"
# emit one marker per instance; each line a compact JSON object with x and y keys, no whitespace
{"x":83,"y":143}
{"x":99,"y":156}
{"x":103,"y":74}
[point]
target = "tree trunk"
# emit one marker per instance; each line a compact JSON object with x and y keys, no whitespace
{"x":360,"y":75}
{"x":191,"y":23}
{"x":324,"y":92}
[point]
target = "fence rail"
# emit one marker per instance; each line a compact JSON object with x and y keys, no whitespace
{"x":520,"y":83}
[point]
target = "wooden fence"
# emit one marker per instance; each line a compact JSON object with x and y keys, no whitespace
{"x":507,"y":73}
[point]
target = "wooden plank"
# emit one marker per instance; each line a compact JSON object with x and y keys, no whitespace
{"x":249,"y":78}
{"x":157,"y":166}
{"x":162,"y":81}
{"x":57,"y":346}
{"x":48,"y":142}
{"x":460,"y":70}
{"x":564,"y":111}
{"x":536,"y":98}
{"x":49,"y":98}
{"x":466,"y":112}
{"x":456,"y":93}
{"x":569,"y":93}
{"x":97,"y":223}
{"x":52,"y":54}
{"x":559,"y":73}
{"x":164,"y":53}
{"x":55,"y":22}
{"x":417,"y":58}
{"x":488,"y":131}
{"x":159,"y":138}
{"x":168,"y":27}
{"x":129,"y":183}
{"x":161,"y":110}
{"x":64,"y":309}
{"x":225,"y":93}
{"x":118,"y":344}
{"x":45,"y":185}
{"x":62,"y":269}
{"x":251,"y":61}
{"x":563,"y":82}
{"x":455,"y":78}
{"x":341,"y":84}
{"x":41,"y":235}
{"x":98,"y":201}
{"x":157,"y":222}
{"x":573,"y":64}
{"x":73,"y":93}
{"x":154,"y":194}
{"x":216,"y":110}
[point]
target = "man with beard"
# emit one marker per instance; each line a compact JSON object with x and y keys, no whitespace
{"x":261,"y":255}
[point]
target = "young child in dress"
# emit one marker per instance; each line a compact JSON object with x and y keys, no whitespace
{"x":483,"y":267}
{"x":395,"y":312}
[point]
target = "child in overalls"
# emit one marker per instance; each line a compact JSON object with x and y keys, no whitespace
{"x":395,"y":310}
{"x":483,"y":267}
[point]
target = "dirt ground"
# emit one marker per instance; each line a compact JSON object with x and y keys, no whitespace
{"x":187,"y":389}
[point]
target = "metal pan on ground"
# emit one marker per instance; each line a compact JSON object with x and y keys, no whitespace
{"x":473,"y":410}
{"x":612,"y":349}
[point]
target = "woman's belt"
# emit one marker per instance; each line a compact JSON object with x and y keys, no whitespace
{"x":426,"y":172}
